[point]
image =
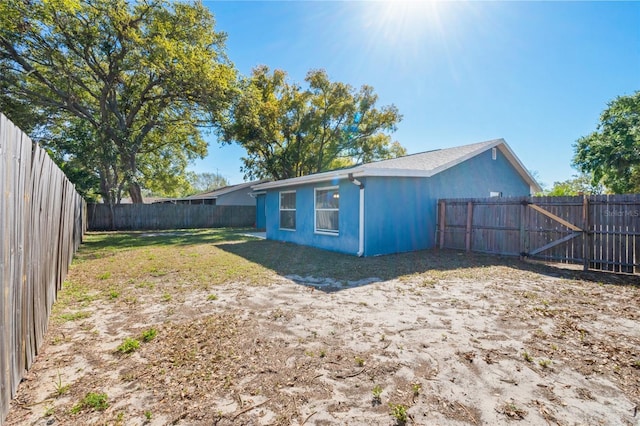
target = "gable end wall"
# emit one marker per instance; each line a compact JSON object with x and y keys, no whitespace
{"x":400,"y":213}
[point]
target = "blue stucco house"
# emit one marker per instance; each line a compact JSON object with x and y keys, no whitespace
{"x":388,"y":206}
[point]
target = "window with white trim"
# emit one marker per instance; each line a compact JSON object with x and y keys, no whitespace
{"x":288,"y":210}
{"x":327,"y":209}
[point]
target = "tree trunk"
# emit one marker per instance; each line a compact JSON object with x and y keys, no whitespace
{"x":136,"y":193}
{"x":105,"y":190}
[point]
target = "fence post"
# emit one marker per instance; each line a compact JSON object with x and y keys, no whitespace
{"x":523,"y":230}
{"x":586,"y":247}
{"x":467,"y":241}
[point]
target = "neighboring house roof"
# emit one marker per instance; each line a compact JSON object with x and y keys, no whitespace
{"x":211,"y":195}
{"x":222,"y":191}
{"x":147,"y":200}
{"x":424,"y":164}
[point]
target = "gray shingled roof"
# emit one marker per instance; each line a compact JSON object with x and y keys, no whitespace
{"x":431,"y":160}
{"x":209,"y":194}
{"x":224,"y":190}
{"x":424,"y":164}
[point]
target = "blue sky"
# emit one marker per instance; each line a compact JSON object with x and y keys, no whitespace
{"x":537,"y":74}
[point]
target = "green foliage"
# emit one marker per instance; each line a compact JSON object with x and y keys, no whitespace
{"x":119,"y":90}
{"x":612,"y":152}
{"x":399,"y":413}
{"x":94,"y":401}
{"x":49,"y":411}
{"x":73,"y":316}
{"x":201,"y":182}
{"x":149,"y":335}
{"x":129,"y":345}
{"x":61,"y":388}
{"x":65,"y":140}
{"x":544,"y":363}
{"x":377,"y":392}
{"x":416,"y":388}
{"x":577,"y":185}
{"x":289,"y":132}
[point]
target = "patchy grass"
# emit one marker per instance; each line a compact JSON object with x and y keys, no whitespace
{"x":149,"y":335}
{"x":129,"y":345}
{"x":74,"y":316}
{"x":269,"y":351}
{"x":206,"y":258}
{"x":144,"y":259}
{"x":106,"y":244}
{"x":92,"y":401}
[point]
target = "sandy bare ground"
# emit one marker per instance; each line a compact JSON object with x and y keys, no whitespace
{"x":489,"y":345}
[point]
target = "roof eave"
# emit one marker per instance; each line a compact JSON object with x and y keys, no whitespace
{"x":316,"y":178}
{"x":364,"y":171}
{"x":517,"y":164}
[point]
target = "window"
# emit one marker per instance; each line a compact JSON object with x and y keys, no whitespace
{"x":327,"y":205}
{"x":288,"y":210}
{"x":494,"y":194}
{"x":494,"y":153}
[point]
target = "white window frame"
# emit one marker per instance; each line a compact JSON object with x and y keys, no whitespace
{"x":280,"y":210}
{"x":332,"y":232}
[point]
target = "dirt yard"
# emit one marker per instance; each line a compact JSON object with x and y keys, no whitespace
{"x":214,"y":328}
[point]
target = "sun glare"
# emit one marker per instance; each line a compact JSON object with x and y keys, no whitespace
{"x":401,"y":22}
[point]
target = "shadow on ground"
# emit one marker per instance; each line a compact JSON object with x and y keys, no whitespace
{"x":104,"y":242}
{"x":330,"y":271}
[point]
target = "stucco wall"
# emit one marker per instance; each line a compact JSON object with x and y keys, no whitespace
{"x":400,"y":213}
{"x":478,"y":176}
{"x":396,"y":214}
{"x":347,"y":239}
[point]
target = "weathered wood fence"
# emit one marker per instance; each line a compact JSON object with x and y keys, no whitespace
{"x":168,"y":216}
{"x":41,"y":218}
{"x":601,"y":232}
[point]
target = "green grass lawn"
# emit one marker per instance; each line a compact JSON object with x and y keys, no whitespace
{"x":207,"y":257}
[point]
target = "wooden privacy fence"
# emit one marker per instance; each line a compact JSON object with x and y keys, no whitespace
{"x":601,"y":232}
{"x":41,"y":218}
{"x":168,"y":216}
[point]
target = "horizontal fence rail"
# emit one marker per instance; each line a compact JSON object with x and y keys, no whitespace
{"x":132,"y":217}
{"x":41,"y":226}
{"x":601,"y":232}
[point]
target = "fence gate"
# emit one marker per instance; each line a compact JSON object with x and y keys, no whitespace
{"x":601,"y":232}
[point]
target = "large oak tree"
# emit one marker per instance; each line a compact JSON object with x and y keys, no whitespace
{"x":612,"y":153}
{"x":122,"y":89}
{"x":289,"y":131}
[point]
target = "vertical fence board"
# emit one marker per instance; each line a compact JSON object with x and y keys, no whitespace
{"x":133,"y":217}
{"x":41,"y":225}
{"x":600,"y":232}
{"x":6,"y":162}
